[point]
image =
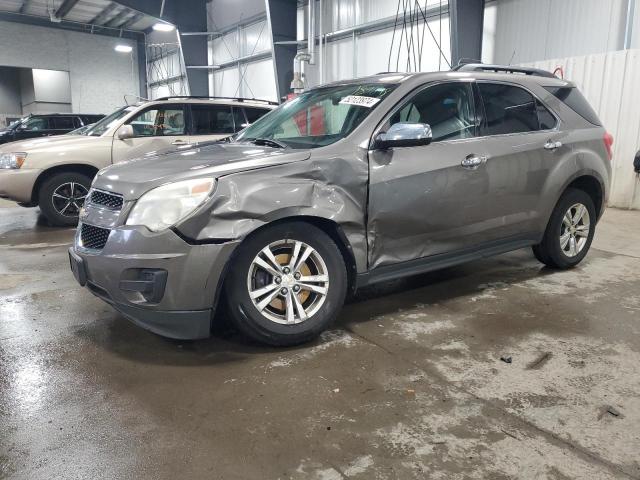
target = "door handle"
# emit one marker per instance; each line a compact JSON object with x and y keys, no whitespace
{"x":178,"y":142}
{"x":552,"y":145}
{"x":473,"y":161}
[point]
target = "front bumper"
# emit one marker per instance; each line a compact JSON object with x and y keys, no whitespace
{"x":170,"y":289}
{"x":17,"y":184}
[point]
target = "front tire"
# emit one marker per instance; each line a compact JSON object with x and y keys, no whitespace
{"x":286,"y":285}
{"x":569,"y":232}
{"x":62,"y":196}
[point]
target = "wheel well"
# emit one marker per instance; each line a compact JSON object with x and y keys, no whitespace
{"x":329,"y":227}
{"x":591,"y":186}
{"x":88,"y":170}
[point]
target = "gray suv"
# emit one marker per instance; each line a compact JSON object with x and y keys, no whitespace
{"x":348,"y":184}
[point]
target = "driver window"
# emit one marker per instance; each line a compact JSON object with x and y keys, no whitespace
{"x":447,"y":108}
{"x":35,"y":124}
{"x":159,"y":122}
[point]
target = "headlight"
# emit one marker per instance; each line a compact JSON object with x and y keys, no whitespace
{"x":12,"y":160}
{"x":165,"y":206}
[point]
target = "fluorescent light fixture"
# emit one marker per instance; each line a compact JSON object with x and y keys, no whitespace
{"x":163,"y":27}
{"x":123,"y":48}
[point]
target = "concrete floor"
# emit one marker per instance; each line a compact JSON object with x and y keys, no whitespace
{"x":409,"y":384}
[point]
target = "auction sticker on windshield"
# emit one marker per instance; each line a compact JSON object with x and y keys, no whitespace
{"x":360,"y":101}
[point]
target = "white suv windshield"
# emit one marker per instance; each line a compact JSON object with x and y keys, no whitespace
{"x":107,"y":122}
{"x":317,"y":118}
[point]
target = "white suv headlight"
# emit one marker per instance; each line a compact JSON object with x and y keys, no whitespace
{"x":12,"y":160}
{"x":164,"y":206}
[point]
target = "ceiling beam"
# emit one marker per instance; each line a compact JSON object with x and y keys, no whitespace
{"x":135,"y":19}
{"x":66,"y":25}
{"x":65,"y":8}
{"x":102,"y":16}
{"x":119,"y":19}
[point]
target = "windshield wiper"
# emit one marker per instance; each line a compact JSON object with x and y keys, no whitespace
{"x":266,"y":142}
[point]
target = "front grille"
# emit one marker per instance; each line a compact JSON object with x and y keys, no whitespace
{"x":92,"y":237}
{"x":107,"y":200}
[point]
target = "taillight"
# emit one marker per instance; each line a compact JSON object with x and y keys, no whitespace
{"x":608,"y":144}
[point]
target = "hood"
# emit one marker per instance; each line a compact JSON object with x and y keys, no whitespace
{"x":136,"y":177}
{"x":57,"y":144}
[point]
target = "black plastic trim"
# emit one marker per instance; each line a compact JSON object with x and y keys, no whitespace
{"x":444,"y":260}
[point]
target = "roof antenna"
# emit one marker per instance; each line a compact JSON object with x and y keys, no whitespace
{"x":512,"y":55}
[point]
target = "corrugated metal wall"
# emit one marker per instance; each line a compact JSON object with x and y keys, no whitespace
{"x":250,"y":79}
{"x":610,"y":82}
{"x":367,"y":53}
{"x":543,"y":29}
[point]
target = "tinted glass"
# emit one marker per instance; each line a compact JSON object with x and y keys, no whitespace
{"x":318,"y":117}
{"x":545,"y":118}
{"x":508,"y":109}
{"x":572,"y":97}
{"x":158,"y":122}
{"x":109,"y":121}
{"x":238,"y":119}
{"x":254,"y":114}
{"x":35,"y":124}
{"x":212,"y":119}
{"x":62,"y":123}
{"x":447,"y":108}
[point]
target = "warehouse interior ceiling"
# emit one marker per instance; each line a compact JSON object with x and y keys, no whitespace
{"x":95,"y":16}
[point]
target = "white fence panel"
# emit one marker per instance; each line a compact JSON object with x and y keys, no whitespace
{"x":610,"y":82}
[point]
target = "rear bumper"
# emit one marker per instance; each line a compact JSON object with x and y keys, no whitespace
{"x":18,"y":184}
{"x":156,"y":280}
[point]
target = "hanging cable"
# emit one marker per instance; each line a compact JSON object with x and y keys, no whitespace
{"x":393,"y":37}
{"x":424,"y":17}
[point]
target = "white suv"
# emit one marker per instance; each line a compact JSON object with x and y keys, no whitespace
{"x":56,"y":172}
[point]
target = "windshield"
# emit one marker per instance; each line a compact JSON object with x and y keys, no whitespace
{"x":317,"y":118}
{"x":107,"y":122}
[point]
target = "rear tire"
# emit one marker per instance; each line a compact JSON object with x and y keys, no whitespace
{"x":569,"y":232}
{"x":62,"y":196}
{"x":290,"y":301}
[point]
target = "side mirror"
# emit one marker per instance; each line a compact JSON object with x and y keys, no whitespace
{"x":124,"y":132}
{"x":404,"y":134}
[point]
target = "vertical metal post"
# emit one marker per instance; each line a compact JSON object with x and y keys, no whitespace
{"x":282,"y":18}
{"x":466,"y":18}
{"x":628,"y":30}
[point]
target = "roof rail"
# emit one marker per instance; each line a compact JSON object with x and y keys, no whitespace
{"x":236,"y":99}
{"x":482,"y":67}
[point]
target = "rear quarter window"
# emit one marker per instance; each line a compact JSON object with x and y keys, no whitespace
{"x":573,"y":98}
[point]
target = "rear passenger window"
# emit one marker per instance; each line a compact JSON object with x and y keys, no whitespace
{"x":212,"y":119}
{"x":62,"y":123}
{"x":545,"y":117}
{"x":447,"y":108}
{"x":508,"y":109}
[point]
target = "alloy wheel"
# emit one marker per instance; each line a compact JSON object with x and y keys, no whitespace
{"x":288,"y":281}
{"x":574,"y":231}
{"x":69,"y":198}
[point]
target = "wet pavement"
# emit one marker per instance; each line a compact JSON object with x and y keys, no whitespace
{"x":408,"y":384}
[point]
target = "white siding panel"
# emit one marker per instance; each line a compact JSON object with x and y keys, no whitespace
{"x":259,"y":80}
{"x":257,"y":38}
{"x":542,"y":29}
{"x":609,"y":81}
{"x":225,"y":82}
{"x":226,"y":48}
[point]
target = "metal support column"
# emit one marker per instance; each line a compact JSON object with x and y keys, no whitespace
{"x":467,"y":17}
{"x":282,"y":18}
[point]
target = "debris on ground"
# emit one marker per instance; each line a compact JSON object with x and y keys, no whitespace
{"x":540,"y":361}
{"x":506,"y":358}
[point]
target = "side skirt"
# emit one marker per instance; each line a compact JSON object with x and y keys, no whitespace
{"x":444,"y":260}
